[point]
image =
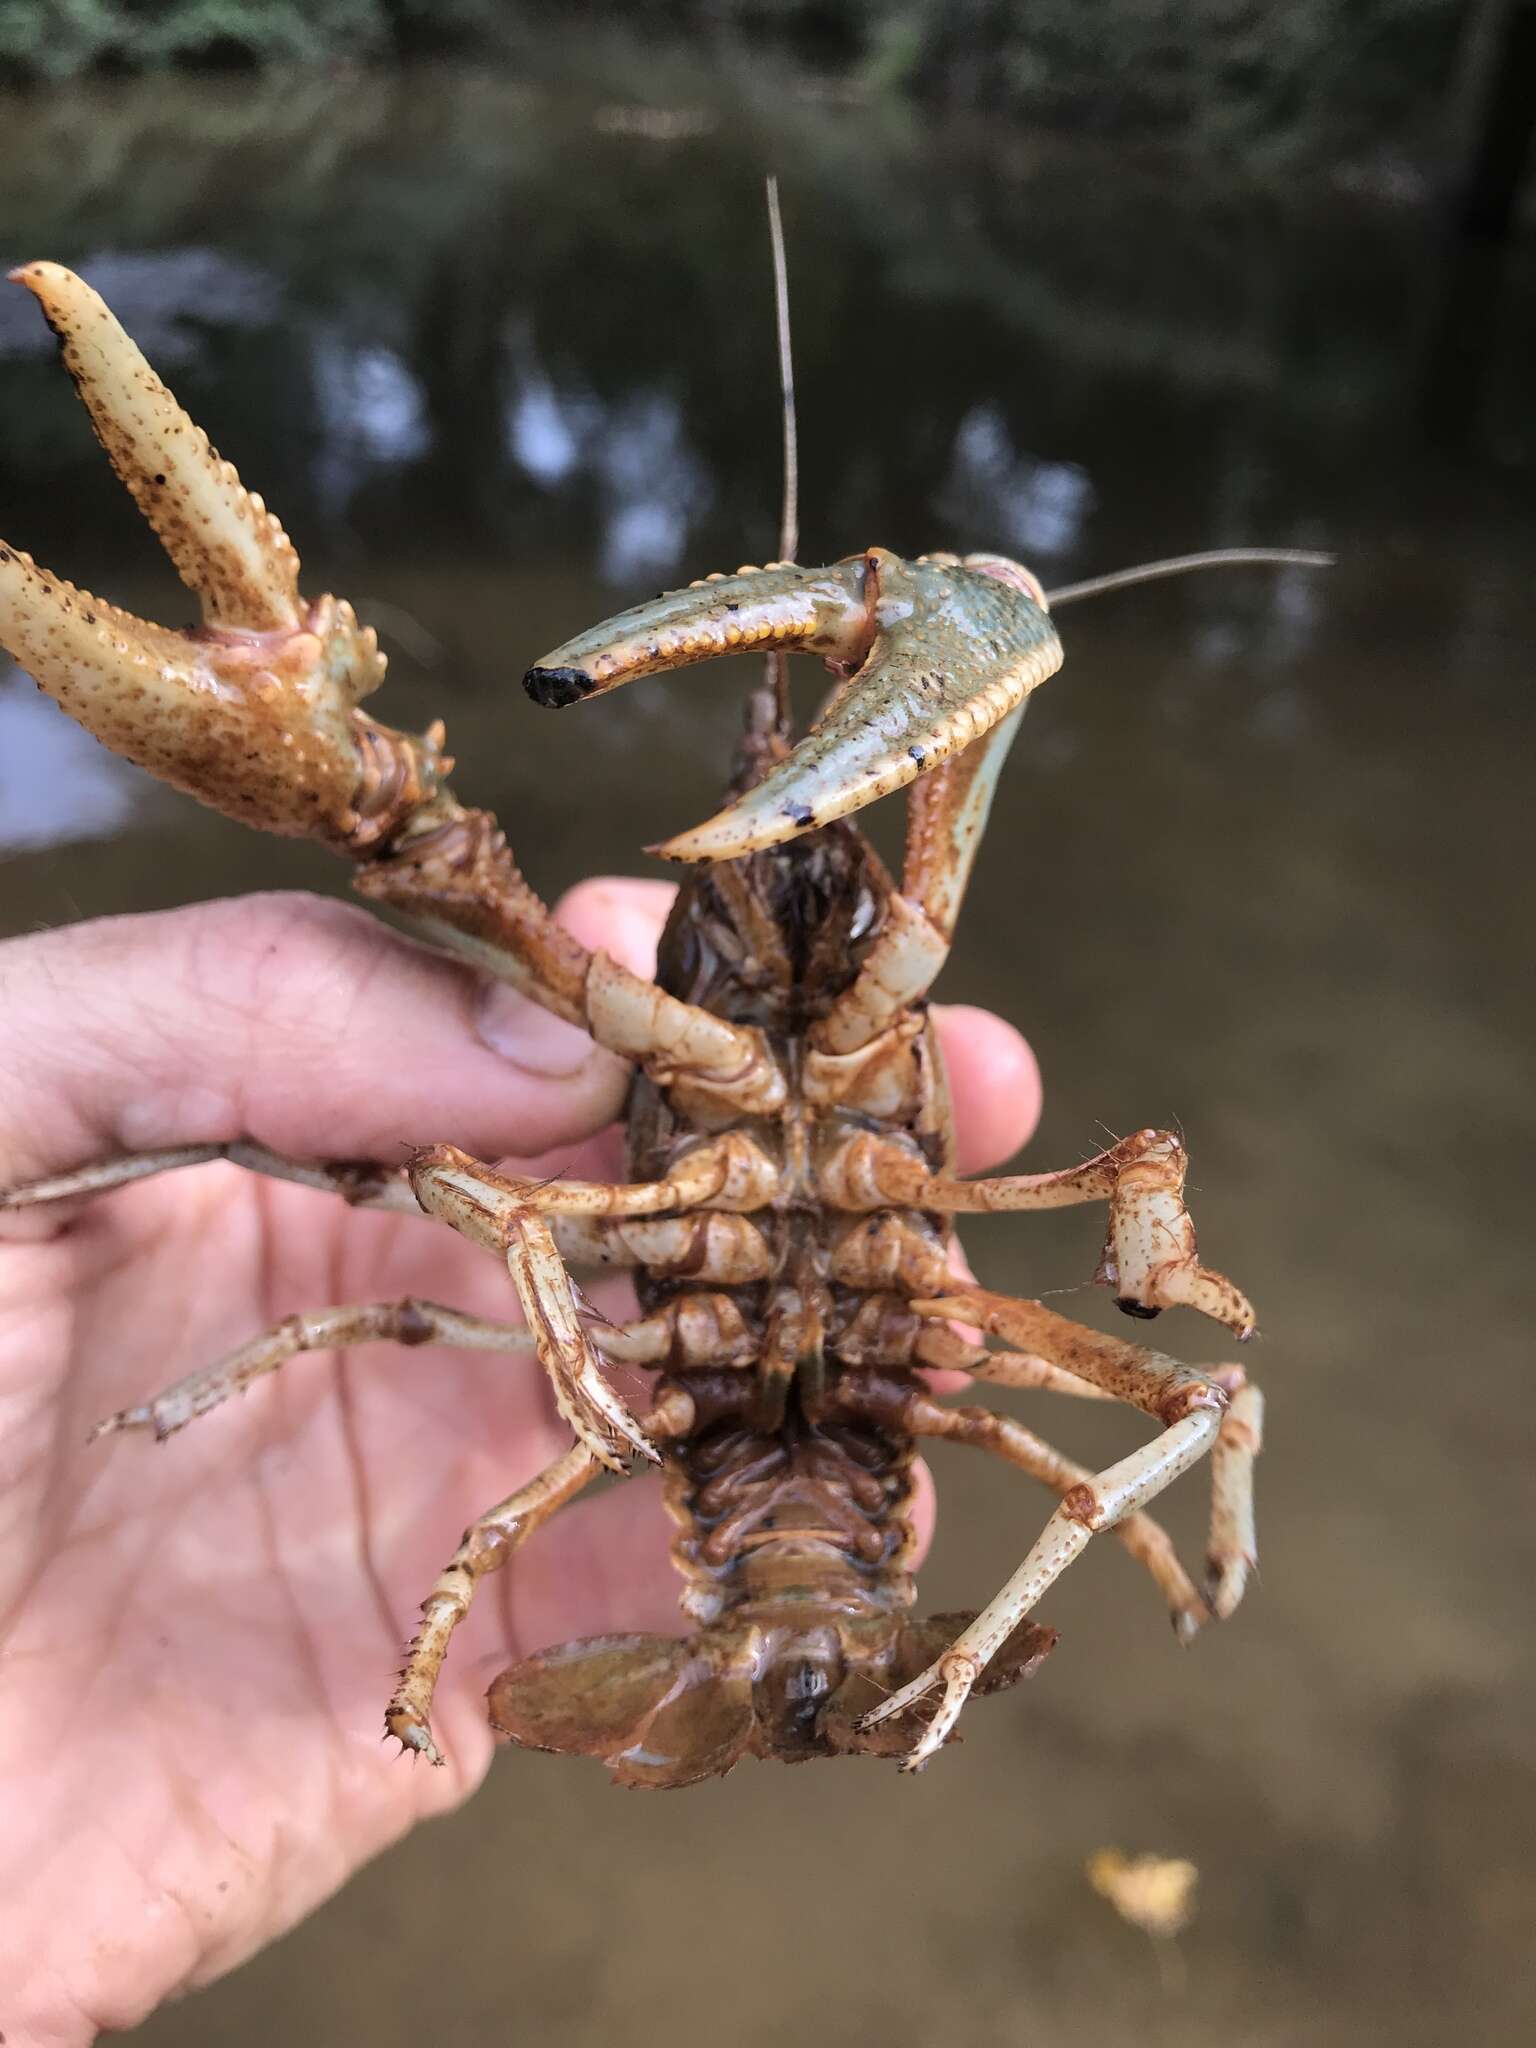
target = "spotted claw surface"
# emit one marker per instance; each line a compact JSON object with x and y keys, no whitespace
{"x":253,"y":711}
{"x":930,"y":654}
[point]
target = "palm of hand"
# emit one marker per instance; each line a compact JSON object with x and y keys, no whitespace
{"x":208,"y":1629}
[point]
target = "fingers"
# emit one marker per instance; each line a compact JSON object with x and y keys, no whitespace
{"x":621,"y":914}
{"x":994,"y":1084}
{"x":298,"y":1022}
{"x":305,"y":1025}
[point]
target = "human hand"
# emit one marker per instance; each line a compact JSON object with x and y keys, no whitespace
{"x":197,"y":1639}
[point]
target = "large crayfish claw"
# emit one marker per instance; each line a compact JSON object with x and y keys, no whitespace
{"x":253,"y":711}
{"x":930,"y":655}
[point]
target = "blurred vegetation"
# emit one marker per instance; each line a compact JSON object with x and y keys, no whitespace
{"x":602,"y":248}
{"x":1270,"y":86}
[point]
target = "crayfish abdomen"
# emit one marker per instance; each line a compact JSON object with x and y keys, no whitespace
{"x":795,"y":1546}
{"x":792,"y":1489}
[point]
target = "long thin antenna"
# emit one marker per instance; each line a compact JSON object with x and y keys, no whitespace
{"x":789,"y":523}
{"x":770,"y":707}
{"x":1177,"y":565}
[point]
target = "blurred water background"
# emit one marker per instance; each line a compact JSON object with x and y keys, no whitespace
{"x":496,"y":342}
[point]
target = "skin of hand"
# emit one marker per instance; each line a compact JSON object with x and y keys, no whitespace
{"x":197,"y":1638}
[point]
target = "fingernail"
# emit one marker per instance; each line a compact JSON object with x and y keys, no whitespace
{"x":532,"y":1037}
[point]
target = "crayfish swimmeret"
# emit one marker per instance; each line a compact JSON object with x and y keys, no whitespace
{"x":788,"y":1215}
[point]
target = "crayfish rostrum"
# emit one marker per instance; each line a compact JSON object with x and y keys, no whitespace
{"x":788,"y":1212}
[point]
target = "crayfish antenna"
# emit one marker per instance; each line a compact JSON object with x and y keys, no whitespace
{"x":1182,"y":565}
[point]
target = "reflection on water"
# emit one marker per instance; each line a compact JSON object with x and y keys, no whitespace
{"x":56,"y":784}
{"x":166,"y":297}
{"x":652,"y":486}
{"x":372,"y":416}
{"x":503,"y":360}
{"x":1036,"y":508}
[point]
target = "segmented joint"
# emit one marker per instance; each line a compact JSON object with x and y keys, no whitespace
{"x":882,"y":1078}
{"x":681,"y":1046}
{"x":864,"y":1171}
{"x":1082,"y":1504}
{"x":1188,"y":1398}
{"x":397,"y":775}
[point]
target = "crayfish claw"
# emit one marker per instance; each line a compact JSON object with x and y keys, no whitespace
{"x":252,"y":712}
{"x":817,"y":611}
{"x":225,"y":544}
{"x":930,"y":656}
{"x":956,"y":647}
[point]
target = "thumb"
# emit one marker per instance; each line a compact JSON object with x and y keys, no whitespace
{"x":300,"y":1023}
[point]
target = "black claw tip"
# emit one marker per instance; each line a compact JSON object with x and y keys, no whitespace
{"x":554,"y":688}
{"x":1138,"y":1309}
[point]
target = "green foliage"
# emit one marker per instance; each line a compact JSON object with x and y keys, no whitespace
{"x":1240,"y":78}
{"x":1268,"y":83}
{"x":53,"y":39}
{"x":56,"y":39}
{"x":276,"y":32}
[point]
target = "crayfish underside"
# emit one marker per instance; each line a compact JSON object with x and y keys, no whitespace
{"x":788,"y":1215}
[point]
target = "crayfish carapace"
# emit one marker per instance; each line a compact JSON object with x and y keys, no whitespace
{"x":788,"y":1215}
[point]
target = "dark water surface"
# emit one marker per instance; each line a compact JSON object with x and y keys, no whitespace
{"x":501,"y":357}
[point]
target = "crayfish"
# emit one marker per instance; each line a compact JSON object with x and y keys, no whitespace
{"x":788,"y":1216}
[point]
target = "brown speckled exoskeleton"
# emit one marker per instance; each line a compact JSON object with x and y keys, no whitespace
{"x":788,"y":1215}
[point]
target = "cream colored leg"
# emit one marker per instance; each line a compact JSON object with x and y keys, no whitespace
{"x":500,"y":1213}
{"x":1146,"y":1540}
{"x":409,"y":1321}
{"x":1233,"y":1549}
{"x":1231,"y":1552}
{"x":486,"y":1547}
{"x":946,"y":1352}
{"x":1191,"y":1407}
{"x":361,"y":1182}
{"x":1151,"y":1258}
{"x":1118,"y":1491}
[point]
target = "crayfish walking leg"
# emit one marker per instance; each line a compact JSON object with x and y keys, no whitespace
{"x":1192,"y":1408}
{"x":1230,"y":1549}
{"x":409,"y":1321}
{"x":1146,"y":1540}
{"x":487,"y":1545}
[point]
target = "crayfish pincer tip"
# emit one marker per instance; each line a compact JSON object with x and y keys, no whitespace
{"x":554,"y":688}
